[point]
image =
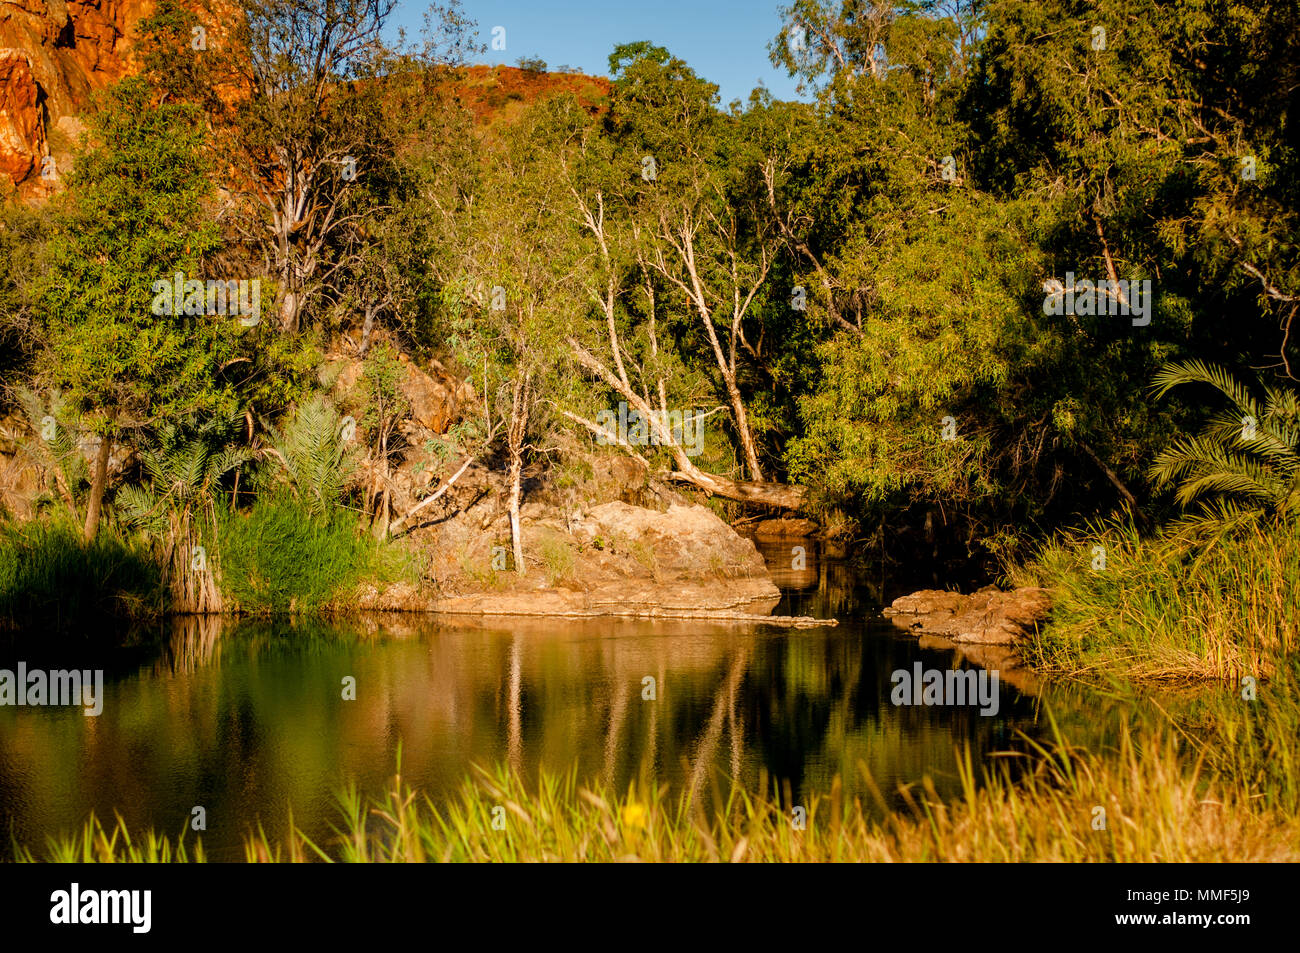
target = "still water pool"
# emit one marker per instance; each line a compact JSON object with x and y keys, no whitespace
{"x":248,"y":719}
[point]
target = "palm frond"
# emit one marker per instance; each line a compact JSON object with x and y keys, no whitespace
{"x":316,"y":459}
{"x":1243,"y":455}
{"x":1282,"y":405}
{"x":184,"y":465}
{"x":1174,"y":462}
{"x":1198,"y":372}
{"x":1241,"y":484}
{"x":140,"y":506}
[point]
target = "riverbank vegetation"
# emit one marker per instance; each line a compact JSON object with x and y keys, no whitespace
{"x":1212,"y":594}
{"x":51,"y":576}
{"x":958,"y":300}
{"x":1200,"y":602}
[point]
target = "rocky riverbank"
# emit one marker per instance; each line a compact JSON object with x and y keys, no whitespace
{"x":984,"y":627}
{"x":613,"y":559}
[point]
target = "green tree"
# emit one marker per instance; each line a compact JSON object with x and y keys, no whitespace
{"x":23,"y":231}
{"x":674,"y":204}
{"x":966,"y":153}
{"x":135,"y":215}
{"x":316,"y":143}
{"x":513,"y":299}
{"x":918,"y":275}
{"x":1146,"y":142}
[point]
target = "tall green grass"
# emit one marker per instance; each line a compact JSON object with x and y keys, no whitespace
{"x":1156,"y":810}
{"x":96,"y":843}
{"x":278,"y":557}
{"x":51,"y":577}
{"x":1171,"y":793}
{"x":1193,"y":602}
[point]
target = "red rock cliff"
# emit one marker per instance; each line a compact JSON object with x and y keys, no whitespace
{"x":54,"y":54}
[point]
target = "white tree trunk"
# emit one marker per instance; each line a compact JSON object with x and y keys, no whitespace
{"x":516,"y":541}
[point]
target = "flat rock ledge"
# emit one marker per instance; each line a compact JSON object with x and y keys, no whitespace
{"x":986,"y":617}
{"x":627,"y":561}
{"x":745,"y":600}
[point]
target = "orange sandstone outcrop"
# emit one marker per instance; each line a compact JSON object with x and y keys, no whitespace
{"x":989,"y":617}
{"x":22,"y":133}
{"x":54,"y":55}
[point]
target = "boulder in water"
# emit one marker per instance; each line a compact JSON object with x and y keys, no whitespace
{"x":989,"y":617}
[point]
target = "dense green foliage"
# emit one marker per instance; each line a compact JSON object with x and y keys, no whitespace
{"x":1106,"y":157}
{"x":1193,"y":602}
{"x":52,"y":579}
{"x":276,"y":558}
{"x":135,"y":215}
{"x":864,"y":292}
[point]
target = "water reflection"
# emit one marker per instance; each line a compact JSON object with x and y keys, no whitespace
{"x":248,"y":718}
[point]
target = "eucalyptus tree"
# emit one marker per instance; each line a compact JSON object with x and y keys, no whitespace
{"x":699,"y":238}
{"x":315,"y":142}
{"x":309,"y":131}
{"x":882,"y":132}
{"x":511,"y":297}
{"x":683,"y":246}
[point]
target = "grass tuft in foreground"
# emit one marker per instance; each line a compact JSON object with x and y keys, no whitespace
{"x":97,"y":844}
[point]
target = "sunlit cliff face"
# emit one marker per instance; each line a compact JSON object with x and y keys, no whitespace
{"x":54,"y":56}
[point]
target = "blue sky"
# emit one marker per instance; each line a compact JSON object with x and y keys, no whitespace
{"x":725,"y":41}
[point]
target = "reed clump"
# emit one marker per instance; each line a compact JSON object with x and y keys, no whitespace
{"x":1198,"y":601}
{"x":52,"y":577}
{"x":278,"y":557}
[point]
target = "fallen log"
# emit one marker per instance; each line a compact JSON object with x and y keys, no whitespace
{"x":392,"y":530}
{"x":656,"y":612}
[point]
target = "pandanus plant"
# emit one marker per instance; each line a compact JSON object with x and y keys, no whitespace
{"x":317,"y":455}
{"x":184,"y":466}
